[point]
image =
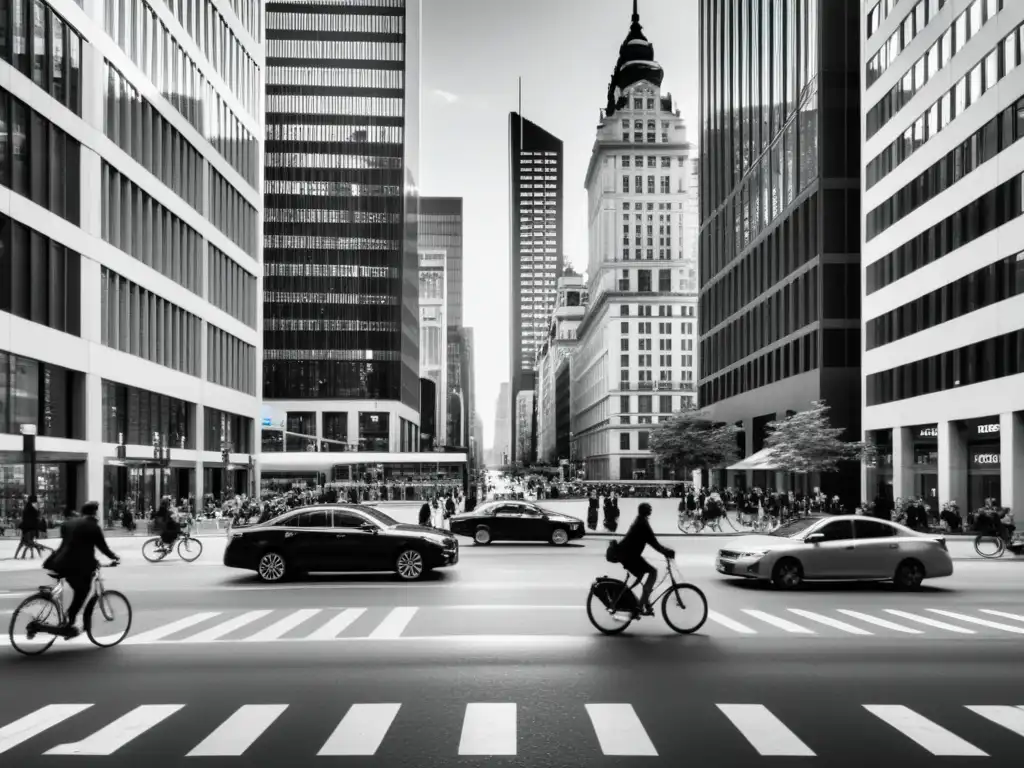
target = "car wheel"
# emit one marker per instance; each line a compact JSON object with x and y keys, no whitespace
{"x":271,"y":567}
{"x":559,"y":537}
{"x":787,"y":574}
{"x":909,"y":575}
{"x":410,"y":565}
{"x":482,"y":536}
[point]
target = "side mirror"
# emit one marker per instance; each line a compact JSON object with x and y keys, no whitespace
{"x":368,"y":527}
{"x":815,"y":538}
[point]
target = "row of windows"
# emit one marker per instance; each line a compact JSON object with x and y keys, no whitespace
{"x":250,"y":13}
{"x":334,"y":216}
{"x":341,"y":161}
{"x":322,"y":50}
{"x":221,"y":428}
{"x":231,"y":214}
{"x":992,"y":138}
{"x":38,"y":160}
{"x":271,"y":269}
{"x":982,"y":288}
{"x":45,"y":396}
{"x":326,"y":242}
{"x":652,"y":161}
{"x":879,"y":12}
{"x":373,"y":134}
{"x":792,"y":359}
{"x":377,"y":23}
{"x":232,"y":139}
{"x":316,"y":297}
{"x":994,"y":66}
{"x":371,"y":326}
{"x":230,"y":362}
{"x":40,"y":279}
{"x":145,"y":230}
{"x":642,"y":443}
{"x":926,"y":67}
{"x":986,"y":360}
{"x":990,"y":211}
{"x":132,"y":123}
{"x":231,"y":288}
{"x":335,"y":77}
{"x":340,"y":355}
{"x":638,"y":185}
{"x":41,"y":45}
{"x":330,"y":188}
{"x":363,"y":3}
{"x":913,"y":24}
{"x":142,"y":324}
{"x":132,"y":416}
{"x":361,"y":106}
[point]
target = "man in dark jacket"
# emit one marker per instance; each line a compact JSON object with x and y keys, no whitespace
{"x":75,"y":561}
{"x":631,"y":554}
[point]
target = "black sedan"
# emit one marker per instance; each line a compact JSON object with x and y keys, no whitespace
{"x":338,"y":538}
{"x":517,"y":521}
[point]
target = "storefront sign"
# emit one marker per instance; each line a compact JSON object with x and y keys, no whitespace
{"x":983,"y":459}
{"x":926,"y":432}
{"x":982,"y":428}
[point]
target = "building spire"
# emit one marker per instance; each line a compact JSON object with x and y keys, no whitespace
{"x":636,"y":13}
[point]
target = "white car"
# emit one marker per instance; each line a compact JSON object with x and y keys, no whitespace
{"x":837,"y":548}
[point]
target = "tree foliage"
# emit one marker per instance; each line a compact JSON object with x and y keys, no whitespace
{"x":807,"y":442}
{"x":688,"y":441}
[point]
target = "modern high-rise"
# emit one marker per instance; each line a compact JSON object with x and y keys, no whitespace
{"x":502,"y":445}
{"x":440,"y":227}
{"x":634,"y":362}
{"x":341,"y":292}
{"x":536,"y":167}
{"x":434,"y":338}
{"x":943,"y":275}
{"x":780,"y":221}
{"x":130,"y":251}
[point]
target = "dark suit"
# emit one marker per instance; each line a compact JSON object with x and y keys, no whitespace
{"x":75,"y":561}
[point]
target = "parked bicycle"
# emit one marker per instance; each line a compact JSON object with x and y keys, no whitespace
{"x":692,"y":523}
{"x":189,"y":547}
{"x":43,"y":615}
{"x":613,"y":604}
{"x":992,"y":545}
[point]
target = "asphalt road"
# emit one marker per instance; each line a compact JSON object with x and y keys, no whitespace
{"x":494,"y":662}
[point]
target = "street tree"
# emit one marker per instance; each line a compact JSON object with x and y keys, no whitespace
{"x":807,"y":442}
{"x":689,"y":441}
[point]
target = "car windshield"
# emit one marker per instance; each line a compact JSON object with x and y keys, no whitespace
{"x":377,"y":515}
{"x":793,"y":528}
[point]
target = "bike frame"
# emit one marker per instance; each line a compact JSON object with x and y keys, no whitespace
{"x":669,"y":574}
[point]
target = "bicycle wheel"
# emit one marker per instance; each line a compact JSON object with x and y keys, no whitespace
{"x":110,"y":625}
{"x":989,"y":546}
{"x":38,"y":609}
{"x":152,"y":550}
{"x":608,"y":621}
{"x":189,"y":549}
{"x":684,"y":608}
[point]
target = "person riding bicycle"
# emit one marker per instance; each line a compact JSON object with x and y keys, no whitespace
{"x":630,"y":553}
{"x":75,"y":559}
{"x":165,"y":524}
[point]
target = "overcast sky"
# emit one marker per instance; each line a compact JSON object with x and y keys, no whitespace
{"x":474,"y":51}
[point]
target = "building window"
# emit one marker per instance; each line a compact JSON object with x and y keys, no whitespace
{"x":650,"y":185}
{"x":639,"y":184}
{"x":374,"y":432}
{"x":643,"y":280}
{"x":623,"y":441}
{"x":643,"y":441}
{"x":222,"y":428}
{"x":638,"y":103}
{"x":132,"y":415}
{"x":625,"y":164}
{"x":625,"y":185}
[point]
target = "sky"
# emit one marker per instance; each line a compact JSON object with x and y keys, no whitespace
{"x":473,"y":53}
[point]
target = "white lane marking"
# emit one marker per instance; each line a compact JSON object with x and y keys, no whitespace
{"x":490,"y":607}
{"x":930,"y":622}
{"x":15,"y":733}
{"x":226,"y":627}
{"x":337,"y":625}
{"x":278,"y":629}
{"x":880,"y":622}
{"x":489,"y":729}
{"x":829,"y":622}
{"x":1011,"y":718}
{"x":394,"y":623}
{"x":111,"y":738}
{"x":238,"y":732}
{"x":728,"y":623}
{"x":980,"y":622}
{"x":167,"y":630}
{"x":777,"y":622}
{"x":619,"y":730}
{"x":361,"y":731}
{"x":765,"y":732}
{"x":932,"y":737}
{"x":1003,"y":614}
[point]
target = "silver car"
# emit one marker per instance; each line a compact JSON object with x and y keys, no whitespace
{"x":837,"y":548}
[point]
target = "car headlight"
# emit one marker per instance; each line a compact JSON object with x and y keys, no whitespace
{"x":755,"y":553}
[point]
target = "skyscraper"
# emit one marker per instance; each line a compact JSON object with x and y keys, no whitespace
{"x":780,"y":220}
{"x":536,"y":177}
{"x":502,"y":426}
{"x":440,"y":227}
{"x":341,"y":292}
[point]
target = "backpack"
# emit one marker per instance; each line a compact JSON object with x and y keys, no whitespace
{"x":612,"y":553}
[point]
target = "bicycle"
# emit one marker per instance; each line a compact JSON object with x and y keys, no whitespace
{"x":690,"y":523}
{"x":50,"y":617}
{"x":615,"y":599}
{"x":189,"y":547}
{"x":992,"y":545}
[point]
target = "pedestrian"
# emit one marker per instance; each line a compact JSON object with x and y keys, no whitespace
{"x":425,"y":514}
{"x":29,"y":527}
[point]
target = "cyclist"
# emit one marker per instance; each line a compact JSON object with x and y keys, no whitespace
{"x":75,"y":560}
{"x":165,"y":524}
{"x":630,"y":553}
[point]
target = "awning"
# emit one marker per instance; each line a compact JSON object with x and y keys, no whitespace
{"x":760,"y":460}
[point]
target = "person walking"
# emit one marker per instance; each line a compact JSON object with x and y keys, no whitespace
{"x":29,"y":527}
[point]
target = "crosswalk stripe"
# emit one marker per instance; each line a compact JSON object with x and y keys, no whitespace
{"x":880,"y":622}
{"x":107,"y":740}
{"x":32,"y":725}
{"x":765,"y":732}
{"x":394,"y":623}
{"x":728,"y":623}
{"x":1011,"y":718}
{"x":775,"y":621}
{"x":1003,"y":614}
{"x":979,"y":622}
{"x":279,"y":628}
{"x":226,"y":627}
{"x":337,"y":625}
{"x":930,"y":622}
{"x":169,"y":629}
{"x":931,"y":736}
{"x":361,"y":731}
{"x":619,"y":730}
{"x":830,"y":622}
{"x":238,"y":732}
{"x":488,"y":730}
